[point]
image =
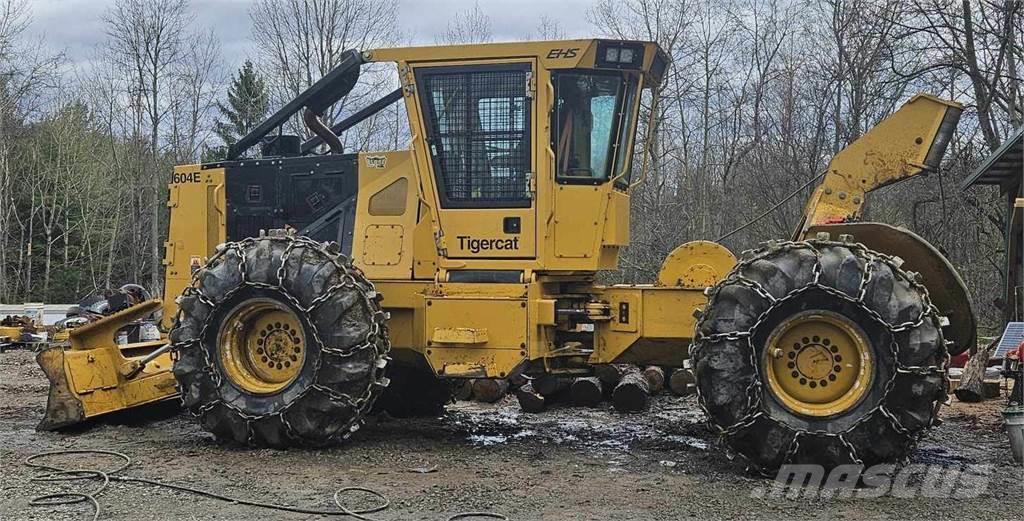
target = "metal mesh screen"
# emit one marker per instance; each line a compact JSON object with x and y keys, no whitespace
{"x":479,"y":133}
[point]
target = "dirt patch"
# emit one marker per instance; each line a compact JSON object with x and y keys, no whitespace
{"x":564,"y":464}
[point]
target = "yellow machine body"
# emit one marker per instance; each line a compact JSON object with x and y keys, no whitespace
{"x":490,"y":290}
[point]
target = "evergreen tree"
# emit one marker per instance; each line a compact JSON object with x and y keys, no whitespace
{"x":247,"y":105}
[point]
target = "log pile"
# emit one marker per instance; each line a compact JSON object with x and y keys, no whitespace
{"x":628,"y":387}
{"x":587,"y":391}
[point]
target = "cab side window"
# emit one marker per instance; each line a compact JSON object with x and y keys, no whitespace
{"x":478,"y":128}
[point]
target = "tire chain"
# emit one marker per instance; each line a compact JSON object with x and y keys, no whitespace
{"x":375,"y":338}
{"x":754,"y":389}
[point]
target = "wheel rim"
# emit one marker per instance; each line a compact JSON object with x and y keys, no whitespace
{"x":818,"y":364}
{"x":262,"y":346}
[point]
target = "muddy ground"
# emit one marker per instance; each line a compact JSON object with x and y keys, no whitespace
{"x":564,"y":464}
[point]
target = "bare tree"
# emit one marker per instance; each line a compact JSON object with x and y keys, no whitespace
{"x":469,"y":26}
{"x":145,"y":38}
{"x":198,"y":74}
{"x":26,"y":75}
{"x":300,"y":41}
{"x":548,"y":29}
{"x":981,"y":42}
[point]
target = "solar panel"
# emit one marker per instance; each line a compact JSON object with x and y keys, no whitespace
{"x":1013,"y":335}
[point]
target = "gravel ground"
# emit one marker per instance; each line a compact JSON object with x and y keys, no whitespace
{"x":564,"y":464}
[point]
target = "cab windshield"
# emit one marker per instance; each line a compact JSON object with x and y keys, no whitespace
{"x":593,"y":120}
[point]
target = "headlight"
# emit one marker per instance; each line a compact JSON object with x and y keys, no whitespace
{"x":620,"y":55}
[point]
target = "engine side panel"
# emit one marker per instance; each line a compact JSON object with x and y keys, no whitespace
{"x":314,"y":195}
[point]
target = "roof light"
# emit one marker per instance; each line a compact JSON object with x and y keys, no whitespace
{"x":620,"y":54}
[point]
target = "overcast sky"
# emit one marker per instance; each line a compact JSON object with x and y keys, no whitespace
{"x":75,"y":26}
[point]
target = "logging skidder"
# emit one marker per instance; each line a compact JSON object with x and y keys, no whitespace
{"x":303,"y":285}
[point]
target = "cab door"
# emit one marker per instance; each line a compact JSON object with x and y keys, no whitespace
{"x":478,"y":127}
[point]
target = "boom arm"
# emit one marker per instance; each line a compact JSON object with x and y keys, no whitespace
{"x":909,"y":142}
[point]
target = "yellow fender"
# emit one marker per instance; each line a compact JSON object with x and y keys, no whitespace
{"x":945,"y":287}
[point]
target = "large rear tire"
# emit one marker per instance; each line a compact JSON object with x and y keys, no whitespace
{"x":819,"y":352}
{"x":280,"y":342}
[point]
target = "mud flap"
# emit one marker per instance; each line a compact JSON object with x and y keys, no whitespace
{"x":62,"y":407}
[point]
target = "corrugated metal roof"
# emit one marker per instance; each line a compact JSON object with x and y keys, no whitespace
{"x":1003,"y":167}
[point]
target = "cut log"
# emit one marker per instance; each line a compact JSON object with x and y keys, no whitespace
{"x":550,"y":385}
{"x":682,"y":382}
{"x":610,"y":374}
{"x":631,"y":395}
{"x":972,"y":382}
{"x":655,"y":378}
{"x":530,"y":400}
{"x":462,"y":389}
{"x":489,"y":390}
{"x":586,"y":392}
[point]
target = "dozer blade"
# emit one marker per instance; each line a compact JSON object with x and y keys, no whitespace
{"x":62,"y":407}
{"x":95,"y":376}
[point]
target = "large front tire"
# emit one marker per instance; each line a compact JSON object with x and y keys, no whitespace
{"x":280,"y":342}
{"x":822,"y":353}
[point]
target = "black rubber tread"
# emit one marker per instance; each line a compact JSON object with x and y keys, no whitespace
{"x":414,"y":392}
{"x":346,"y":339}
{"x":866,"y":287}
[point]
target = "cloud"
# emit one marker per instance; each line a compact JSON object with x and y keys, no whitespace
{"x":75,"y":27}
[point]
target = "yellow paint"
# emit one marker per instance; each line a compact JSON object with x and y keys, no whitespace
{"x":654,"y":328}
{"x":10,"y":333}
{"x":262,"y":346}
{"x":578,"y":223}
{"x":696,"y":265}
{"x":198,"y":224}
{"x":476,"y":336}
{"x":818,"y":364}
{"x":567,"y":228}
{"x":616,"y":222}
{"x":892,"y":151}
{"x":382,"y":245}
{"x":386,"y":212}
{"x":412,"y":247}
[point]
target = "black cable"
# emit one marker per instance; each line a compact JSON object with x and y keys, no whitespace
{"x":773,"y":208}
{"x":106,"y":476}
